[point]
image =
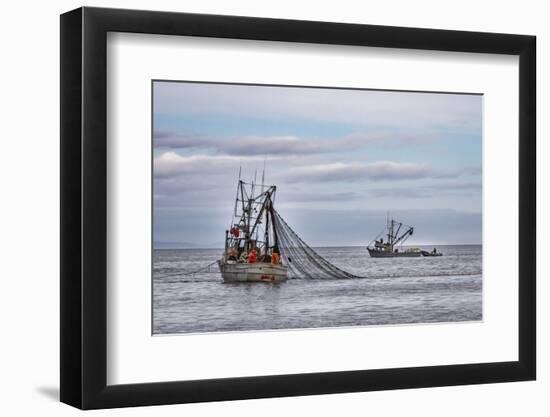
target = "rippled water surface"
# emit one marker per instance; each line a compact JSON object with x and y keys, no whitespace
{"x":395,"y":290}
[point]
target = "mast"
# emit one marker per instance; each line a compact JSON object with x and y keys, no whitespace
{"x":388,"y":227}
{"x":266,"y":234}
{"x":248,"y":214}
{"x":253,"y":216}
{"x":237,"y":196}
{"x":254,"y":183}
{"x":263,"y":174}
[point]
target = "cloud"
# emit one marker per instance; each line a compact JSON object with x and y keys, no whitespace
{"x":321,"y":197}
{"x":283,"y":145}
{"x":163,"y":134}
{"x":169,"y":187}
{"x":428,"y":191}
{"x":340,"y":171}
{"x":356,"y":107}
{"x":171,"y":139}
{"x":454,"y":173}
{"x":171,"y":164}
{"x":202,"y":166}
{"x":273,"y":145}
{"x":177,"y":174}
{"x":246,"y":146}
{"x":388,"y":170}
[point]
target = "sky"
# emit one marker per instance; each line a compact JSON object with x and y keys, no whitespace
{"x":341,"y":160}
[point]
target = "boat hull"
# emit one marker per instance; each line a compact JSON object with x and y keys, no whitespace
{"x":387,"y":254}
{"x":256,"y":272}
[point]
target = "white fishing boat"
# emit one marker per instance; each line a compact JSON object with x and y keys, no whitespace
{"x":251,"y":251}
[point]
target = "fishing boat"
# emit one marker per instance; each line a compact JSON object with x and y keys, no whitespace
{"x":396,"y":233}
{"x":251,"y":252}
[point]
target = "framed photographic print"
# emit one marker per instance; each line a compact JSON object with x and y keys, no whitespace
{"x":258,"y":207}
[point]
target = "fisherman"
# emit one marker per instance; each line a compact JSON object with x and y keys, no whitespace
{"x":252,"y":256}
{"x":434,"y":251}
{"x":232,"y":254}
{"x":275,"y":258}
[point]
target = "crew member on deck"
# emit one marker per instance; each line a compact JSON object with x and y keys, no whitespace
{"x":275,"y":258}
{"x":252,"y":256}
{"x":232,"y":254}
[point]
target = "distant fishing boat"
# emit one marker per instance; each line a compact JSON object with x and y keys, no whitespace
{"x":251,"y":251}
{"x":396,"y":233}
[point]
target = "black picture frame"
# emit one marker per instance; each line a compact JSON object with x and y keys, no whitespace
{"x":84,"y":207}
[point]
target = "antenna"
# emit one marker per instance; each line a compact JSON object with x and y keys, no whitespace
{"x":254,"y":182}
{"x":263,"y":174}
{"x":237,"y":196}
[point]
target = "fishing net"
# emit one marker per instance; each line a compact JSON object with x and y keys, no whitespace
{"x":301,"y":260}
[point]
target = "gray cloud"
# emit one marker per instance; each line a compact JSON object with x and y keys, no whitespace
{"x":454,"y":173}
{"x":283,"y":145}
{"x":274,"y":145}
{"x":299,"y":170}
{"x":428,"y":191}
{"x":356,"y":107}
{"x":308,"y":197}
{"x":168,"y":187}
{"x":339,"y":171}
{"x":173,"y":140}
{"x":171,"y":164}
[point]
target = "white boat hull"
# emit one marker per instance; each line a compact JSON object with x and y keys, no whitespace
{"x":256,"y":272}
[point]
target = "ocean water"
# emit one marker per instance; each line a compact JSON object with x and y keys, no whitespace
{"x":395,"y":291}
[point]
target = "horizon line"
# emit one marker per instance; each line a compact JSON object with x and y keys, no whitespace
{"x":337,"y":246}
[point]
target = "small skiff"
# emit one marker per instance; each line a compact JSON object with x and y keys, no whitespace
{"x":426,"y":253}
